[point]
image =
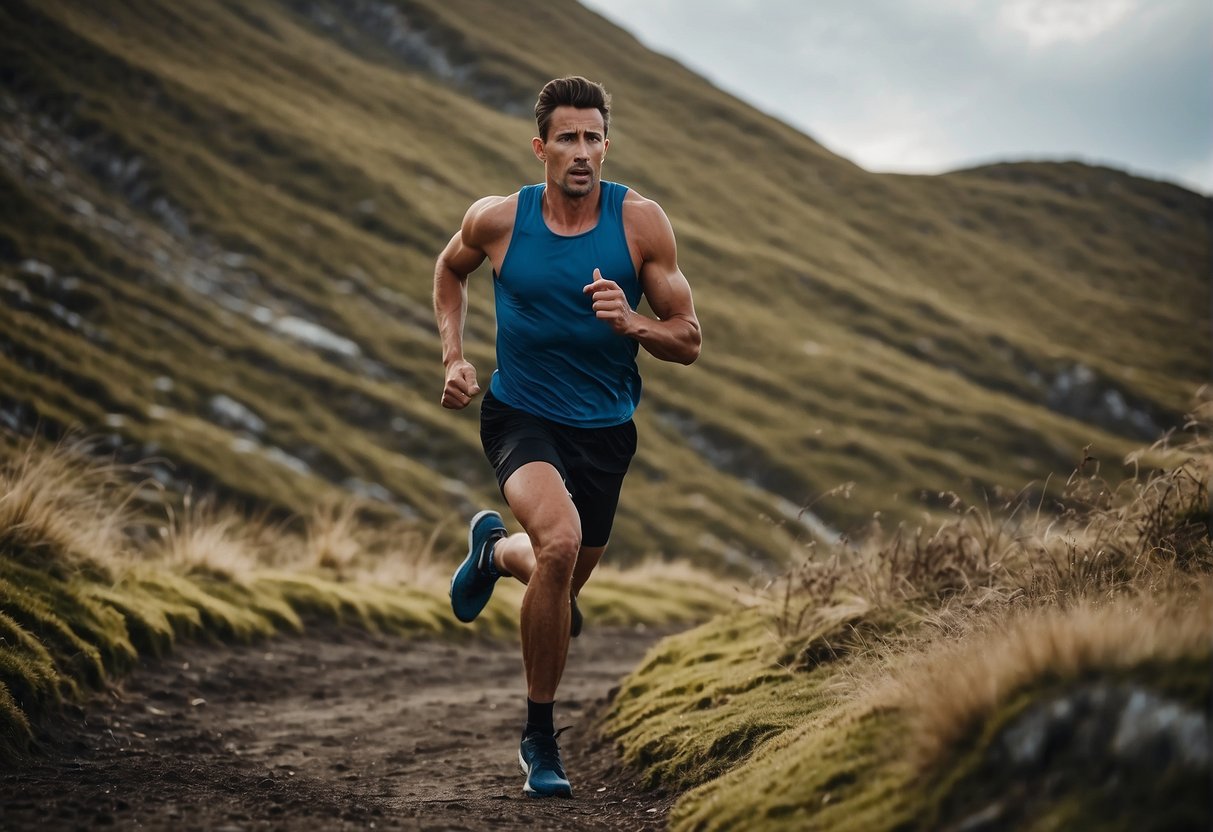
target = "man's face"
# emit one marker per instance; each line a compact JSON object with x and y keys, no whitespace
{"x":574,"y":150}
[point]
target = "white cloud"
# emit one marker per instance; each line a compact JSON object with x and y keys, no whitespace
{"x":1049,"y":22}
{"x":932,"y":85}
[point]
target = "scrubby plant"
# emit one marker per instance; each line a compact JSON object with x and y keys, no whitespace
{"x":1147,"y":533}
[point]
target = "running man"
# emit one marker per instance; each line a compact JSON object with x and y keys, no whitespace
{"x":571,"y":258}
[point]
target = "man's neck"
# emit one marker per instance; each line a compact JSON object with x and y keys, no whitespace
{"x":566,"y":214}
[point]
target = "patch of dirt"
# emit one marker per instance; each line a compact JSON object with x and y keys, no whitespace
{"x":334,"y":729}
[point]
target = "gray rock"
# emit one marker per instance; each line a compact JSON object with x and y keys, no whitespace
{"x":231,"y":413}
{"x":316,"y":336}
{"x":1152,"y":728}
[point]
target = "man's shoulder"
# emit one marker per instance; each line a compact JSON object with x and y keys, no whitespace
{"x":643,"y":215}
{"x":490,"y":217}
{"x":640,"y":205}
{"x":491,"y":207}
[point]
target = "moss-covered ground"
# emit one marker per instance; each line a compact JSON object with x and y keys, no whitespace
{"x":991,"y":675}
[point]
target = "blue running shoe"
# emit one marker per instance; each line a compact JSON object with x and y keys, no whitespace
{"x":472,"y":583}
{"x":539,"y":756}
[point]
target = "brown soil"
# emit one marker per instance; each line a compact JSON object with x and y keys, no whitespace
{"x":333,"y":730}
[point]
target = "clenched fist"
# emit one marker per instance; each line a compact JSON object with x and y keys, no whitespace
{"x":610,"y":303}
{"x":460,"y":386}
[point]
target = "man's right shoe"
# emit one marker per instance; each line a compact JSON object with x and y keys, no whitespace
{"x":539,"y":756}
{"x":472,"y":583}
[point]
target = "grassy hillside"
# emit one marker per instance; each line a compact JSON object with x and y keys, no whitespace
{"x":220,"y":220}
{"x":1004,"y":671}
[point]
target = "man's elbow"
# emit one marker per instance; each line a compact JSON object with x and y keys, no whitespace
{"x":691,"y":351}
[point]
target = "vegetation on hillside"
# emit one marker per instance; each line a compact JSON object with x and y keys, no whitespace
{"x":92,"y":577}
{"x":219,"y":227}
{"x":1014,"y":668}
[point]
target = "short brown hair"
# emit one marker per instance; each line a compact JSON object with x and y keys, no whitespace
{"x":573,"y":91}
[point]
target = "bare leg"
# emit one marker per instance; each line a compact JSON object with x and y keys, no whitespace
{"x":514,"y":556}
{"x":587,"y":559}
{"x":538,"y":499}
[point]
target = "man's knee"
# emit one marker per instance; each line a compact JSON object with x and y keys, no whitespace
{"x":557,"y":550}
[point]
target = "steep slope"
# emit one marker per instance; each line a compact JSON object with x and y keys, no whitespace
{"x":219,"y":227}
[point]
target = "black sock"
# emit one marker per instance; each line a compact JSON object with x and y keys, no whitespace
{"x":539,"y":718}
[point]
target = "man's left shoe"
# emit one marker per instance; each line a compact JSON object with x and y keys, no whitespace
{"x":575,"y":619}
{"x":539,"y":756}
{"x":472,"y":583}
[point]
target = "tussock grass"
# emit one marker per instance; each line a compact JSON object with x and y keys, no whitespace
{"x":206,"y":540}
{"x":90,"y":581}
{"x":956,"y":685}
{"x":874,"y":686}
{"x":58,"y":509}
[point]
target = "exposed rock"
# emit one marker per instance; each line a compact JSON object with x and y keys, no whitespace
{"x":1077,"y":391}
{"x":38,"y":268}
{"x":1102,"y":735}
{"x":1155,"y":729}
{"x":316,"y":336}
{"x":232,"y":414}
{"x":14,"y":417}
{"x":808,"y":520}
{"x":16,"y":288}
{"x":284,"y":459}
{"x":368,"y":490}
{"x":445,"y":58}
{"x":1133,"y":726}
{"x":733,"y":454}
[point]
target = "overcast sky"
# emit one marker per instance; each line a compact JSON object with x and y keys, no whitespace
{"x":933,"y":85}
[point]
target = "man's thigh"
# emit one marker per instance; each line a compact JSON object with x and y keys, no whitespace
{"x":541,"y":503}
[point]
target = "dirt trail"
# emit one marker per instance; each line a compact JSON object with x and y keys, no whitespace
{"x":332,"y":730}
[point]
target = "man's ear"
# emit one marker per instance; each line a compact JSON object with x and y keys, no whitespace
{"x":537,"y":146}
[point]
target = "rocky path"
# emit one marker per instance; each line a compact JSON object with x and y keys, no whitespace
{"x":331,"y":730}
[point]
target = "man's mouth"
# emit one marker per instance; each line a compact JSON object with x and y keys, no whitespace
{"x":580,"y":171}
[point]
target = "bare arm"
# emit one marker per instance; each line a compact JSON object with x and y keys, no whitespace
{"x":462,"y":255}
{"x":674,"y":335}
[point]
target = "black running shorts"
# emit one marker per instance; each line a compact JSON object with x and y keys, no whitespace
{"x":591,"y":461}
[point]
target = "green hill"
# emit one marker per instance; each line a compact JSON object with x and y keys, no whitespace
{"x":220,"y":220}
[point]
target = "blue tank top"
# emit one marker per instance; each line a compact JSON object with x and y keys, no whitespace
{"x":555,"y":359}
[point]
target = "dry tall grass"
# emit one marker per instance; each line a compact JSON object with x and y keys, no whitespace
{"x":1140,"y":535}
{"x":395,"y":554}
{"x":954,"y":683}
{"x":948,"y":624}
{"x":202,"y":537}
{"x":64,"y":507}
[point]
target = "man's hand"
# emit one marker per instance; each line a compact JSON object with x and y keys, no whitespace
{"x":611,"y":304}
{"x":461,"y":385}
